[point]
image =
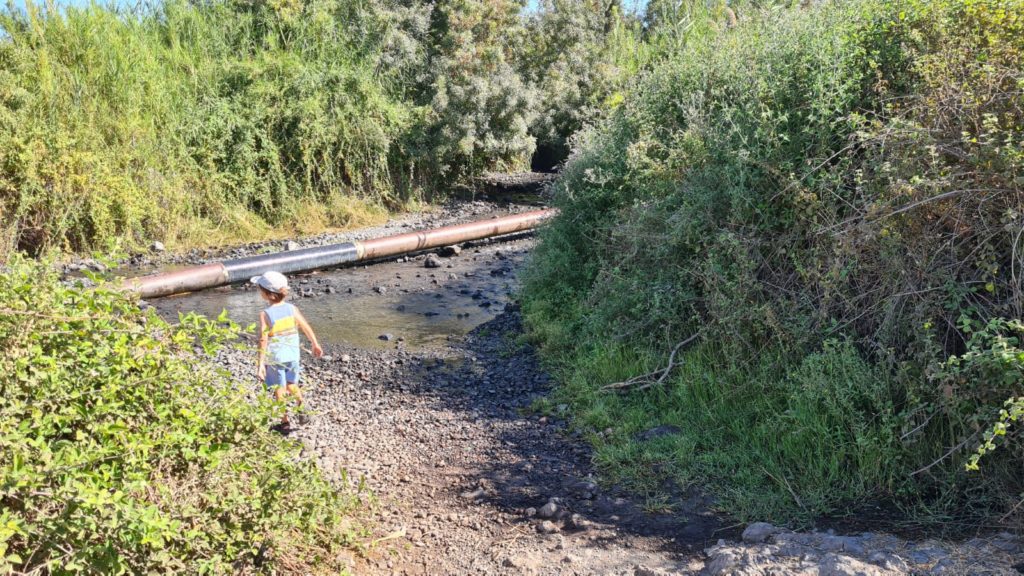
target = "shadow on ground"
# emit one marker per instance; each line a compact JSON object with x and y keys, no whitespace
{"x":492,"y":379}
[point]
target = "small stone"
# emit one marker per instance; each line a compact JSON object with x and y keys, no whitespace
{"x":291,"y":245}
{"x":432,"y":261}
{"x":531,"y":512}
{"x":449,"y":251}
{"x":890,"y":562}
{"x":945,"y":566}
{"x":380,"y":290}
{"x":583,"y":489}
{"x":386,"y":337}
{"x":548,"y":510}
{"x":759,"y":532}
{"x":926,"y":555}
{"x":346,"y":358}
{"x":835,"y":565}
{"x":578,"y":522}
{"x":157,"y":246}
{"x":474,"y":494}
{"x":548,"y":527}
{"x":641,"y":570}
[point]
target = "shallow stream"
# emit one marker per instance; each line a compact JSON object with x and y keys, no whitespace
{"x":416,"y":306}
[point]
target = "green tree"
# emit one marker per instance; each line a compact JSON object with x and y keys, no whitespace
{"x":480,"y":107}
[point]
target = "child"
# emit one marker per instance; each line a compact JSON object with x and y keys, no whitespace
{"x":279,"y":340}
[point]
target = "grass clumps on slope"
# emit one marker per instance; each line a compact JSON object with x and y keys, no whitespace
{"x":122,"y":450}
{"x":830,"y":196}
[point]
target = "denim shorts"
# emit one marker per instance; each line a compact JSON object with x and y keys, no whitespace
{"x":281,"y":374}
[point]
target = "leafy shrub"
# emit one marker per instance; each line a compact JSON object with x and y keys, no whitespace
{"x":993,"y":356}
{"x":122,"y":450}
{"x":851,"y":171}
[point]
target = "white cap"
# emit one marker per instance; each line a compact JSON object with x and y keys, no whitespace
{"x":271,"y":282}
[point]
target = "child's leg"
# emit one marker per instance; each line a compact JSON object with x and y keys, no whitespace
{"x":280,"y":392}
{"x":292,"y":375}
{"x":293,"y":389}
{"x":276,"y":382}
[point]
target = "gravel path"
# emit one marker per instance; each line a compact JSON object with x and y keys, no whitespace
{"x":473,"y":481}
{"x":466,"y":479}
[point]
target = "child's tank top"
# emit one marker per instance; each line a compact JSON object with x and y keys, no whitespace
{"x":284,"y":334}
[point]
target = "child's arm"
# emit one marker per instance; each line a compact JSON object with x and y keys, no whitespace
{"x":261,"y":369}
{"x":308,"y":331}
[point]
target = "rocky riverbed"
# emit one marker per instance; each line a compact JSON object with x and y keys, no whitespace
{"x":468,"y":478}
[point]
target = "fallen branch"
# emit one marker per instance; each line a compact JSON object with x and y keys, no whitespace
{"x":651,"y":379}
{"x":946,"y":455}
{"x":400,"y":533}
{"x":785,"y":484}
{"x":903,"y":209}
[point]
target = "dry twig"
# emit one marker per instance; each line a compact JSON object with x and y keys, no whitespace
{"x":655,"y":378}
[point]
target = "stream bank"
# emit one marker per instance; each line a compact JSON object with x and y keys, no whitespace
{"x":432,"y":411}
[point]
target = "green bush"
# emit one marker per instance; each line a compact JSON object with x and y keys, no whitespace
{"x":122,"y":450}
{"x":993,"y":356}
{"x":848,"y":171}
{"x":186,"y":122}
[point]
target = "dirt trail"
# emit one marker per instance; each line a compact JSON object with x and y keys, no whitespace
{"x":463,"y":471}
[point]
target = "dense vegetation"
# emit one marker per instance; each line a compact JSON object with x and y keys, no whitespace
{"x":199,"y":122}
{"x":123,"y":451}
{"x":830,"y":197}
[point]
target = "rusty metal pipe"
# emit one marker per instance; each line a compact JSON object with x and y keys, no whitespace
{"x":448,"y":235}
{"x":185,"y":280}
{"x":241,"y":269}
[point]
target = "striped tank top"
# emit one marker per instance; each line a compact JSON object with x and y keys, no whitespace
{"x":283,"y":331}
